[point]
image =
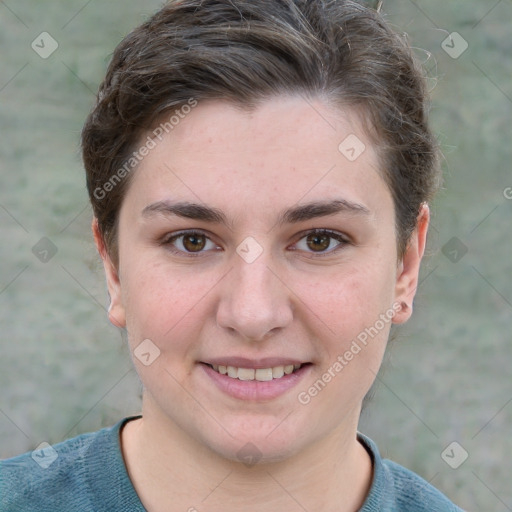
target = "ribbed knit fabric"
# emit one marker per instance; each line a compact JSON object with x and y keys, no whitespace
{"x":89,"y":475}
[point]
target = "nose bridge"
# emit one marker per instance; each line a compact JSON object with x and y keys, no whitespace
{"x":254,"y":301}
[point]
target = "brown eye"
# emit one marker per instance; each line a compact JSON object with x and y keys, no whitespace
{"x":190,"y":243}
{"x":318,"y":242}
{"x":322,"y":242}
{"x":194,"y":243}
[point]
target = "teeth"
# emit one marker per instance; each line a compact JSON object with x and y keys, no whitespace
{"x":246,"y":373}
{"x":277,"y":372}
{"x":261,"y":374}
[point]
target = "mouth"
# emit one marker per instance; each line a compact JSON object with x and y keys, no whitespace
{"x":259,"y":380}
{"x":256,"y":374}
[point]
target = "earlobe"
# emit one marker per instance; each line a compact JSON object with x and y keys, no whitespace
{"x":409,"y":267}
{"x":116,"y":312}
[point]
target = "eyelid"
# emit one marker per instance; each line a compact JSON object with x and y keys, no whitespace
{"x":343,"y":240}
{"x":168,"y":239}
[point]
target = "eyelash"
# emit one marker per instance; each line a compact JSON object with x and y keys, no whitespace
{"x":168,"y":241}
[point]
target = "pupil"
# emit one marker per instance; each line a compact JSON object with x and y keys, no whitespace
{"x":320,"y":240}
{"x":194,"y":243}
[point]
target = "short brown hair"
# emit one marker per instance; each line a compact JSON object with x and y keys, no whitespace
{"x":245,"y":52}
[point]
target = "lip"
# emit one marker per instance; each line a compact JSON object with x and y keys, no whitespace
{"x":252,"y":389}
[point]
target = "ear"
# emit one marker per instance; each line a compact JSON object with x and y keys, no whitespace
{"x":409,"y":267}
{"x":116,"y":312}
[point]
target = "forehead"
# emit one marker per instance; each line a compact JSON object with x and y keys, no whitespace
{"x":250,"y":163}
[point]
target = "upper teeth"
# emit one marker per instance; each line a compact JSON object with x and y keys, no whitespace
{"x":261,"y":374}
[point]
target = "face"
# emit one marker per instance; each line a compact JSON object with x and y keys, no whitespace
{"x":252,"y":241}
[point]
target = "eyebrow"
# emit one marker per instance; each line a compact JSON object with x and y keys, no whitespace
{"x":295,"y":214}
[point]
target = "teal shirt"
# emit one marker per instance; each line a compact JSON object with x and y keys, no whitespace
{"x":88,"y":474}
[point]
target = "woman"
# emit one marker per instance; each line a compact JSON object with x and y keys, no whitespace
{"x":260,"y":174}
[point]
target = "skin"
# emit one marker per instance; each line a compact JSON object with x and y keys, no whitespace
{"x":289,"y":302}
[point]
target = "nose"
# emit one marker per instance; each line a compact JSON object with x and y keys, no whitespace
{"x":255,"y":301}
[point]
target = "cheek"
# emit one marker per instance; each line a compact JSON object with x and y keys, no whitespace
{"x":163,"y":302}
{"x":168,"y":307}
{"x":348,"y":301}
{"x":355,"y":315}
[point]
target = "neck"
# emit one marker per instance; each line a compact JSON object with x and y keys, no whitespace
{"x":167,"y":466}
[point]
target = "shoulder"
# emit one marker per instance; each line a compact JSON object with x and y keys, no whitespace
{"x":397,"y":489}
{"x":409,"y":489}
{"x":61,"y":477}
{"x":42,"y":475}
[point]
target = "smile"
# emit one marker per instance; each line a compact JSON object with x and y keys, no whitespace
{"x":259,"y":374}
{"x":267,"y":382}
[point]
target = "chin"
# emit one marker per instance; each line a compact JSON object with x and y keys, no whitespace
{"x":253,"y":445}
{"x":252,"y":453}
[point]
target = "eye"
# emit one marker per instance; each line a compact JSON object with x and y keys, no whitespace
{"x":322,"y":242}
{"x":192,"y":243}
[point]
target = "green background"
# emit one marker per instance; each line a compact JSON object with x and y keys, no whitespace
{"x":65,"y":370}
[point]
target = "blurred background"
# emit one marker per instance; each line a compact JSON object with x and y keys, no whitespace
{"x":442,"y":404}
